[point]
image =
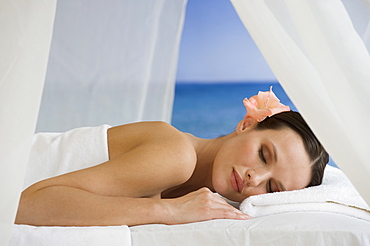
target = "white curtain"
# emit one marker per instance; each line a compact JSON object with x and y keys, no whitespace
{"x":26,"y":31}
{"x":317,"y":50}
{"x":111,"y":61}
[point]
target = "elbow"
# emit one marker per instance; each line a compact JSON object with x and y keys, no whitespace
{"x":24,"y":212}
{"x":28,"y":206}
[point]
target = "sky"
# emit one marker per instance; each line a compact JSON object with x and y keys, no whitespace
{"x":216,"y":47}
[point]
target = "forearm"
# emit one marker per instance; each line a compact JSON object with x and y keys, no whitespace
{"x":68,"y":206}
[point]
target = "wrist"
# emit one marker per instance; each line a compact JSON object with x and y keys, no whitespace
{"x":165,"y":211}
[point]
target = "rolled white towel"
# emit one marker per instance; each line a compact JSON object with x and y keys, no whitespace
{"x":335,"y":195}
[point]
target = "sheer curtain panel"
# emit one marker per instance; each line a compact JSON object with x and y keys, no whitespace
{"x":26,"y":31}
{"x":111,"y":61}
{"x":317,"y":50}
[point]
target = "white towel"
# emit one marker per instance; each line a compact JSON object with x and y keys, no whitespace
{"x":335,"y":195}
{"x":54,"y":154}
{"x":24,"y":235}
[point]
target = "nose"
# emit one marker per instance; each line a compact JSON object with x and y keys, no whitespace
{"x":257,"y":176}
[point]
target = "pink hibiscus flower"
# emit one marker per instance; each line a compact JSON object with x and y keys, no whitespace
{"x":263,"y":105}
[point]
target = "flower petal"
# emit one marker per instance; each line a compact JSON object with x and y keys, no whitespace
{"x":262,"y":105}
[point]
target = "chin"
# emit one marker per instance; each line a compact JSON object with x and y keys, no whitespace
{"x":226,"y":193}
{"x":233,"y":198}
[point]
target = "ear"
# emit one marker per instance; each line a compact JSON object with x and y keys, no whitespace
{"x":245,"y":124}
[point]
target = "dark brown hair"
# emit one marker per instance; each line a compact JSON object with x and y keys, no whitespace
{"x":316,"y":152}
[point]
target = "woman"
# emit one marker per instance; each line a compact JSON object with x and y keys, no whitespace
{"x":157,"y":174}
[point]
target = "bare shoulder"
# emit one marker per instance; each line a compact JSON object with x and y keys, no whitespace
{"x":145,"y":159}
{"x":126,"y":137}
{"x":157,"y":140}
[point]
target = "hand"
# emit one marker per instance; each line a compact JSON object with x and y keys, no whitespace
{"x":200,"y":205}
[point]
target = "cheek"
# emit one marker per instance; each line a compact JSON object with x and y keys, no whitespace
{"x":223,"y":159}
{"x":221,"y":173}
{"x":233,"y":152}
{"x":218,"y":175}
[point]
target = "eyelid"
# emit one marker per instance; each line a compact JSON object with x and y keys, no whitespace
{"x":268,"y":186}
{"x":261,"y":154}
{"x":268,"y":153}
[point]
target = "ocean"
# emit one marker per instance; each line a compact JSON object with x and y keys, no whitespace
{"x":208,"y":110}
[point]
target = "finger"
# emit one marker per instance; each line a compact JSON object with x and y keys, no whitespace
{"x":239,"y":217}
{"x":232,"y":214}
{"x":226,"y":211}
{"x":214,"y":196}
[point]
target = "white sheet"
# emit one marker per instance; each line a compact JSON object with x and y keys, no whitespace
{"x":24,"y":235}
{"x":317,"y":229}
{"x":308,"y":228}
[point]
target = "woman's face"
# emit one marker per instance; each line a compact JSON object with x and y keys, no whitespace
{"x":260,"y":161}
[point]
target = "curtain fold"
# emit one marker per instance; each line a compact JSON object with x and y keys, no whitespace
{"x":26,"y":32}
{"x":318,"y":52}
{"x":111,"y":62}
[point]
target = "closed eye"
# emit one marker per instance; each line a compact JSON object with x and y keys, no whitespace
{"x":262,"y":156}
{"x":268,"y":187}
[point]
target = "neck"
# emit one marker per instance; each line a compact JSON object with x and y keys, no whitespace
{"x":206,"y":150}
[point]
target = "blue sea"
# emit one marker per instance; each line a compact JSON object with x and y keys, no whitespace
{"x":208,"y":110}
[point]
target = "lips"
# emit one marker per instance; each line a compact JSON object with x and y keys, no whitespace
{"x":236,"y":181}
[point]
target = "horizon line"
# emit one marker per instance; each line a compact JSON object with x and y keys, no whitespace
{"x":225,"y":81}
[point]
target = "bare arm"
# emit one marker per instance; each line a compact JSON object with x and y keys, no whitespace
{"x":68,"y":206}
